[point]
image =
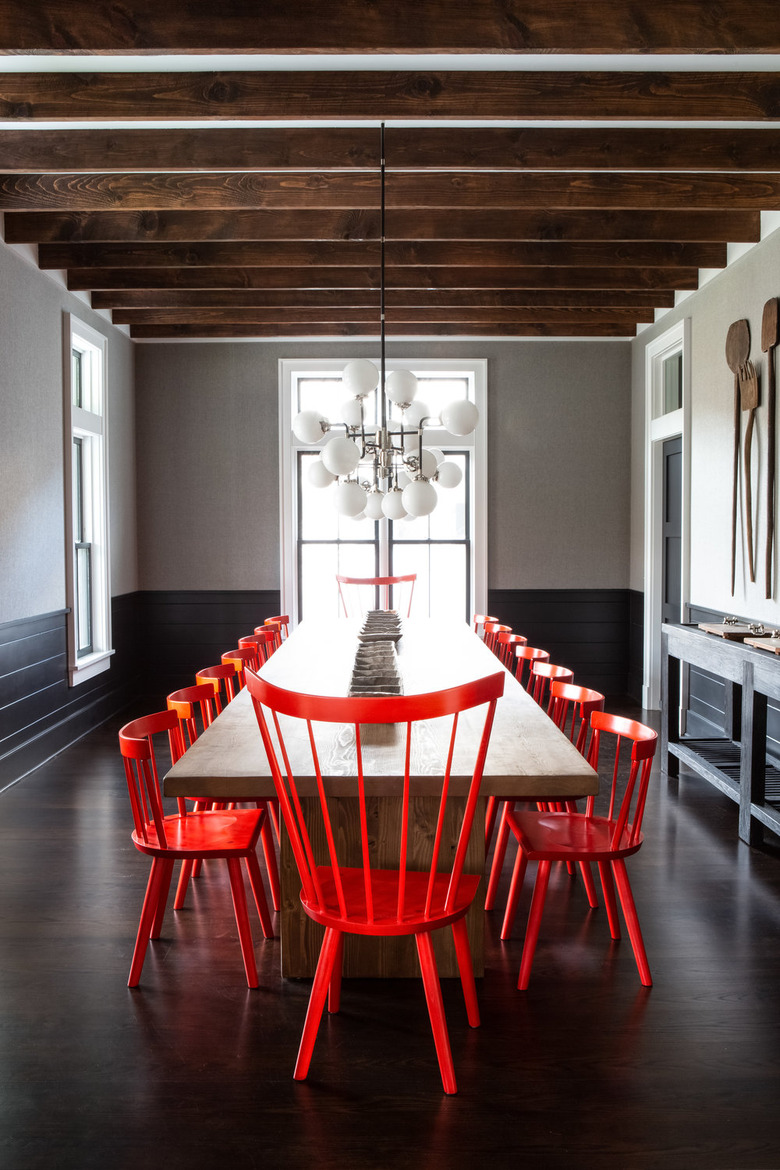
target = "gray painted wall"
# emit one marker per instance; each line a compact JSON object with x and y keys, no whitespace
{"x":738,"y":291}
{"x":32,"y":548}
{"x":558,"y":440}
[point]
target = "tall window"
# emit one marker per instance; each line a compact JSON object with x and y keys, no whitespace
{"x":86,"y":469}
{"x":447,"y":550}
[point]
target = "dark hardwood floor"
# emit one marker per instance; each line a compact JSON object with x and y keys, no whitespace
{"x":191,"y":1070}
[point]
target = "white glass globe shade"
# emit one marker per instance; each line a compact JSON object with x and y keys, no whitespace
{"x":319,"y":475}
{"x":439,"y":455}
{"x":419,"y":498}
{"x":403,"y":479}
{"x":393,"y":505}
{"x":429,"y":463}
{"x":351,"y":412}
{"x":360,"y":516}
{"x":401,"y":386}
{"x":350,"y":498}
{"x":341,"y":455}
{"x":416,"y":412}
{"x":360,"y":377}
{"x":460,"y":418}
{"x":374,"y":502}
{"x":307,"y":426}
{"x":448,"y":475}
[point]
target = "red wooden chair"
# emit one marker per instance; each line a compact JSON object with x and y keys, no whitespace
{"x":282,"y":620}
{"x":185,"y":837}
{"x":546,"y":837}
{"x":543,"y":674}
{"x":479,"y":620}
{"x":527,"y":654}
{"x":239,"y":659}
{"x":187,"y":703}
{"x":264,"y":641}
{"x":217,"y":675}
{"x":363,"y":899}
{"x":505,"y":647}
{"x":492,"y":630}
{"x":358,"y":586}
{"x":571,"y":711}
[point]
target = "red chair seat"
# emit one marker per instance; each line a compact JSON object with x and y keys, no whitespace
{"x":205,"y":834}
{"x":384,"y":892}
{"x":551,"y":835}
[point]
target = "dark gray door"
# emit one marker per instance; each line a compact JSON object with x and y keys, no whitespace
{"x":671,"y":606}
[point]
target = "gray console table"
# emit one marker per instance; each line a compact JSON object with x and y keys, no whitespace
{"x":736,"y":764}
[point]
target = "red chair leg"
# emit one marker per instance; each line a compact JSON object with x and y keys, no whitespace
{"x":184,"y":881}
{"x":589,"y":884}
{"x":256,"y":882}
{"x":498,"y":855}
{"x":466,"y":968}
{"x":334,"y":989}
{"x":441,"y":1039}
{"x":319,"y":990}
{"x":242,"y":920}
{"x":516,"y":885}
{"x":610,"y":902}
{"x":632,"y":921}
{"x":269,"y":852}
{"x":148,"y":913}
{"x":490,"y":819}
{"x":162,"y":897}
{"x":534,"y":922}
{"x":273,"y":808}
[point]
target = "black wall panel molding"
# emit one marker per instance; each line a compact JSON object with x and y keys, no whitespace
{"x":587,"y":630}
{"x":40,"y":714}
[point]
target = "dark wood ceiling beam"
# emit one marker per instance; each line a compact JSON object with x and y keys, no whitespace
{"x":358,"y":329}
{"x":334,"y":148}
{"x":406,"y":26}
{"x":225,"y":191}
{"x":529,"y":315}
{"x":501,"y":95}
{"x":28,"y":227}
{"x":347,"y":299}
{"x":439,"y":253}
{"x":340,"y":278}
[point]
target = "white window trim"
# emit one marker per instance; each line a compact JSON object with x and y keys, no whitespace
{"x":473,"y":368}
{"x":77,"y":333}
{"x":658,"y":428}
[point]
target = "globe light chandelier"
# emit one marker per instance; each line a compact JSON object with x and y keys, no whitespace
{"x":385,"y":470}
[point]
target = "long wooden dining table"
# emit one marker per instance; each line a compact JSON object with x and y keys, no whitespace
{"x":528,"y":759}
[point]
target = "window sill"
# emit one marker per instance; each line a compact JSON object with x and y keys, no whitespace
{"x":89,"y":666}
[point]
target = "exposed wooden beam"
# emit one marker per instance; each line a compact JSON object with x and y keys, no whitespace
{"x":234,"y":298}
{"x":337,"y":96}
{"x":474,"y":316}
{"x":334,"y":148}
{"x":339,"y":278}
{"x":347,"y":329}
{"x":226,"y":190}
{"x":405,"y":26}
{"x":439,"y":253}
{"x":23,"y":227}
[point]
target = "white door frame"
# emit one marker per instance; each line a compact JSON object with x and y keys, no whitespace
{"x":658,"y":428}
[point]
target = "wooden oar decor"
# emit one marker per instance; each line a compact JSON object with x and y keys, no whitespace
{"x":737,"y":353}
{"x":749,"y":397}
{"x":769,"y":339}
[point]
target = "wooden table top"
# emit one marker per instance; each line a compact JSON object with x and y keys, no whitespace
{"x":528,"y":757}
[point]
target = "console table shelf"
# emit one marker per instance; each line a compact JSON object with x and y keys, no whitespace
{"x":736,"y":764}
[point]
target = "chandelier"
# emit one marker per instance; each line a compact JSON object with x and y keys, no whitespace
{"x":383,"y":470}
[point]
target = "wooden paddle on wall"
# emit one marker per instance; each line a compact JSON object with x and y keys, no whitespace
{"x":769,"y":339}
{"x":737,"y":353}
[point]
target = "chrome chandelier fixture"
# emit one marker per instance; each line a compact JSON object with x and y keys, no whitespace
{"x":385,"y":470}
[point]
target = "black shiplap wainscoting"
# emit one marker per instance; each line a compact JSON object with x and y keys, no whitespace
{"x":185,"y":630}
{"x":40,"y":714}
{"x":587,"y":630}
